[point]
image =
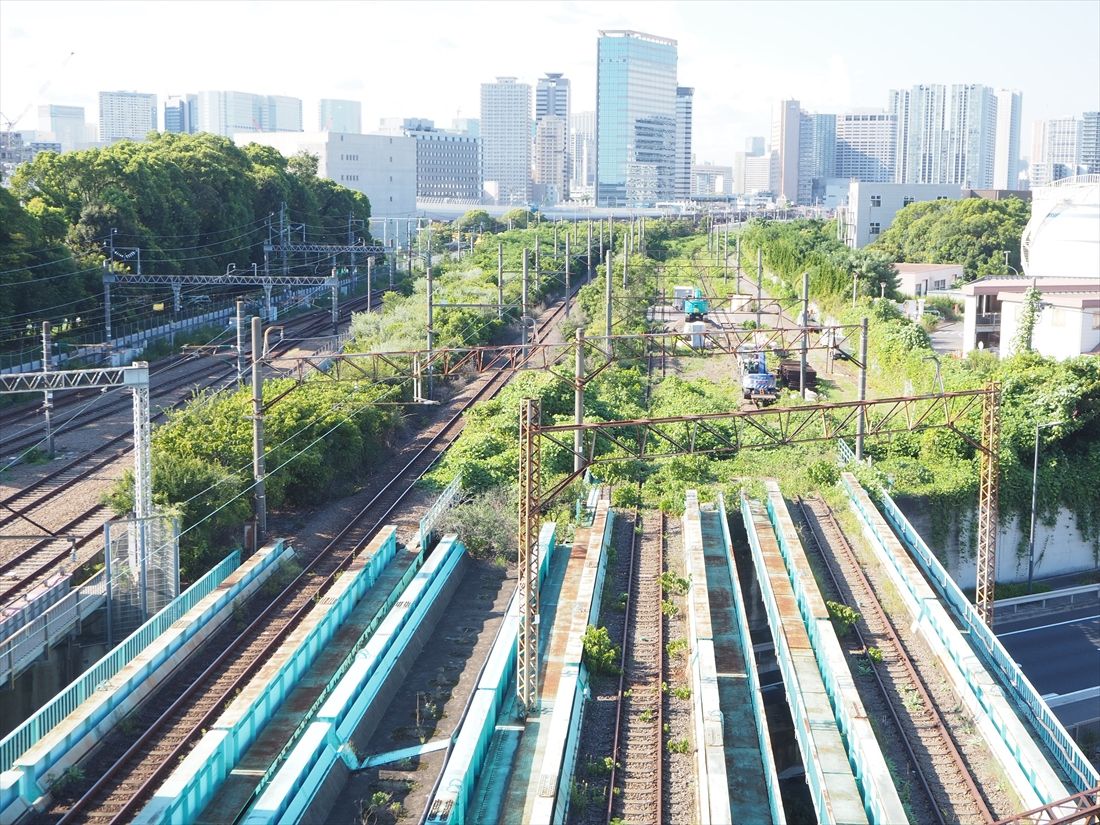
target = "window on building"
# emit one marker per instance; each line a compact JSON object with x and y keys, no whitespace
{"x":875,"y":228}
{"x":908,"y":199}
{"x":876,"y":200}
{"x":1096,"y":320}
{"x":940,"y":284}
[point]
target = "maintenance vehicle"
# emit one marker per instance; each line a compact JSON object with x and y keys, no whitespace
{"x":757,"y":384}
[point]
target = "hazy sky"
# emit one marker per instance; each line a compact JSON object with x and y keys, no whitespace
{"x":427,"y":59}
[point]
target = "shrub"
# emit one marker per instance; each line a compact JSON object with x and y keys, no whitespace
{"x":598,"y":653}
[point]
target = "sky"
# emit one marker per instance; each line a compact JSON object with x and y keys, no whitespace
{"x":428,"y":59}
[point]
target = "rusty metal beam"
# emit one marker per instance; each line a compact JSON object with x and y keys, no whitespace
{"x":988,"y":500}
{"x":527,"y":652}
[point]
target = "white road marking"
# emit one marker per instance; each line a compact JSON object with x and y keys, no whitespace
{"x":1045,"y":626}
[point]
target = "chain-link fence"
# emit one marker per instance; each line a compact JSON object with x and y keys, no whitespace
{"x":142,"y":570}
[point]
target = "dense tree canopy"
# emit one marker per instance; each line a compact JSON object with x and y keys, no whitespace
{"x":973,"y":232}
{"x":193,"y":204}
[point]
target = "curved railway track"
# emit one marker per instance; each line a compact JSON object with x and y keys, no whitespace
{"x":945,"y":780}
{"x":129,"y":771}
{"x":23,"y":569}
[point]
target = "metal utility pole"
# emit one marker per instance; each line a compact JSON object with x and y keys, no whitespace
{"x":538,"y":263}
{"x":370,"y":283}
{"x":578,"y":403}
{"x":258,"y":472}
{"x":556,"y":225}
{"x":737,"y":252}
{"x":527,"y":649}
{"x":240,"y":342}
{"x":726,"y":254}
{"x":589,"y":249}
{"x":523,"y":306}
{"x":805,"y":333}
{"x":759,"y":283}
{"x":567,"y":284}
{"x":626,"y":257}
{"x":988,"y":493}
{"x":47,"y":396}
{"x":607,"y":300}
{"x":500,"y":281}
{"x":107,"y":300}
{"x":431,"y":330}
{"x":861,"y":422}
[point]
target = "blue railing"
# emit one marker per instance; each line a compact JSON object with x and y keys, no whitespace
{"x":53,"y":712}
{"x":1080,"y":771}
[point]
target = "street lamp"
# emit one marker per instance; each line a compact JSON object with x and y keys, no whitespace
{"x":1008,"y":265}
{"x":1034,"y":486}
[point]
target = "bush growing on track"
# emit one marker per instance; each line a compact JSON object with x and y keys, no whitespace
{"x":599,"y":655}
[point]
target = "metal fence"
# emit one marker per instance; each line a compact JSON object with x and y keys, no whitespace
{"x":69,"y":699}
{"x":142,"y":567}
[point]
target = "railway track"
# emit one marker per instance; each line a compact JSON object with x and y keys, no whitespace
{"x":637,"y":753}
{"x":24,"y":568}
{"x":129,"y":771}
{"x":944,"y":778}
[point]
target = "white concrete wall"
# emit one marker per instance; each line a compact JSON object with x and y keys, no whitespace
{"x":1060,"y":332}
{"x":1059,"y":549}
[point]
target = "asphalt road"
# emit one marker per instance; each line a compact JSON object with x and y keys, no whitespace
{"x":1060,"y":652}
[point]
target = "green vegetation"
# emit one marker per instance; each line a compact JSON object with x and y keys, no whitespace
{"x":974,"y":232}
{"x":679,"y":746}
{"x":672,"y":582}
{"x":677,"y":647}
{"x":599,"y":655}
{"x":843,"y":616}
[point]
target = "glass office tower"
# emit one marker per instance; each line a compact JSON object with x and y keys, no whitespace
{"x":635,"y":119}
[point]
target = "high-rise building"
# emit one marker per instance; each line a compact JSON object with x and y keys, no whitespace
{"x":635,"y":118}
{"x":181,"y":114}
{"x":866,"y":145}
{"x":754,"y":146}
{"x":284,"y":114}
{"x":816,"y":152}
{"x":711,"y":179}
{"x":786,"y":121}
{"x":467,"y":125}
{"x":64,"y":125}
{"x":1006,"y":160}
{"x":1089,"y":159}
{"x":340,"y":116}
{"x":228,"y":112}
{"x":945,"y":135}
{"x":1055,"y":150}
{"x":582,"y":153}
{"x":550,"y":171}
{"x":126,"y":115}
{"x":972,"y":136}
{"x":684,"y":104}
{"x":506,"y":140}
{"x":552,"y":100}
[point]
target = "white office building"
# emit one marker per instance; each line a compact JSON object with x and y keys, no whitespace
{"x":448,"y":163}
{"x":550,"y":170}
{"x":340,"y":116}
{"x":872,"y":206}
{"x":227,"y":113}
{"x":972,"y":136}
{"x":64,"y":125}
{"x":126,"y":115}
{"x":816,"y":153}
{"x":506,"y":141}
{"x":711,"y":179}
{"x":786,"y":121}
{"x":1089,"y":154}
{"x":582,"y":154}
{"x":1006,"y":160}
{"x":755,"y":175}
{"x":866,"y":145}
{"x":382,"y":167}
{"x":1055,"y":150}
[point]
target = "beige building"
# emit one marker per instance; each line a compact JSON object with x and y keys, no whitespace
{"x":917,"y":280}
{"x":550,"y":171}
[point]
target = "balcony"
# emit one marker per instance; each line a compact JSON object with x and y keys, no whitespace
{"x":988,"y":319}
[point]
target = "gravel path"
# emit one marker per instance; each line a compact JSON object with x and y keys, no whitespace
{"x":679,"y":768}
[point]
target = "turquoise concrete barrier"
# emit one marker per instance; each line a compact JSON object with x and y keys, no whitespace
{"x":471,"y":740}
{"x":770,"y":774}
{"x":986,"y":646}
{"x":880,"y":796}
{"x":187,"y":791}
{"x":49,"y":715}
{"x":291,"y":791}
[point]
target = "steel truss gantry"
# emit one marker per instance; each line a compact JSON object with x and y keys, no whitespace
{"x":647,"y":439}
{"x":232,"y":277}
{"x":136,"y":377}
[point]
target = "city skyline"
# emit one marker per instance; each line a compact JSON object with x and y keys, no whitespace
{"x":737,"y":79}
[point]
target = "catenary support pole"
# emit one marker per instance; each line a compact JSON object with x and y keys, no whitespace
{"x":258,"y":472}
{"x":240,"y":342}
{"x":500,"y":280}
{"x":47,"y":396}
{"x":805,"y":334}
{"x":523,"y":305}
{"x":568,"y":286}
{"x":370,"y":282}
{"x":759,"y":283}
{"x":861,"y":422}
{"x":578,"y":402}
{"x":589,"y":249}
{"x":607,"y":301}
